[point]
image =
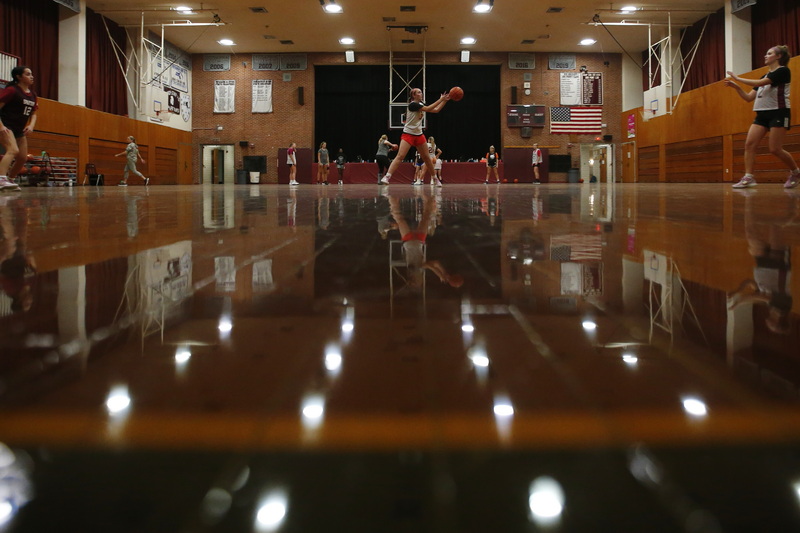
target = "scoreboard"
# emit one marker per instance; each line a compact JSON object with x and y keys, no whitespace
{"x":520,"y":116}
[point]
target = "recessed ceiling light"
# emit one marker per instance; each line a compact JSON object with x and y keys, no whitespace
{"x":183,"y":8}
{"x":587,"y":42}
{"x":483,"y":6}
{"x":347,"y":40}
{"x":333,"y":8}
{"x":226,"y":42}
{"x":469,"y":40}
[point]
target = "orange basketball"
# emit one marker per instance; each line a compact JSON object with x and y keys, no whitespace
{"x":30,"y":157}
{"x":395,"y":147}
{"x":35,"y":169}
{"x":456,"y":94}
{"x":516,"y":180}
{"x":505,"y":180}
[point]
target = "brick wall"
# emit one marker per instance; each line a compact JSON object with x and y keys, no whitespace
{"x":292,"y":122}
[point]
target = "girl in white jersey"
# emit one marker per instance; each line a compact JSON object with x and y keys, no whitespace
{"x":412,"y":131}
{"x":773,"y":114}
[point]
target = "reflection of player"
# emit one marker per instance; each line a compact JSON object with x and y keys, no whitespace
{"x":16,"y":263}
{"x":771,"y":280}
{"x":412,"y":131}
{"x":536,"y":160}
{"x":414,"y":244}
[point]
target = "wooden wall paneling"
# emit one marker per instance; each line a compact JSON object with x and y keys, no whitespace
{"x":710,"y":112}
{"x":699,"y":160}
{"x":648,"y":164}
{"x":94,"y":137}
{"x":55,"y":144}
{"x":166,"y":163}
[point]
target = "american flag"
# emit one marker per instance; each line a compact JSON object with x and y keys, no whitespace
{"x":587,"y":120}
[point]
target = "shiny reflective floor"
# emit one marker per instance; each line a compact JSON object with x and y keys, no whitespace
{"x":468,"y":358}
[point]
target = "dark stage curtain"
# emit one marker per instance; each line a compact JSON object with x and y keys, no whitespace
{"x":653,"y":67}
{"x":775,"y":22}
{"x":105,"y":84}
{"x":709,"y":61}
{"x":359,"y":95}
{"x":29,"y":29}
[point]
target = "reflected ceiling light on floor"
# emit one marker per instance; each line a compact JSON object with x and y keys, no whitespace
{"x":272,"y":512}
{"x":589,"y":325}
{"x":469,"y":40}
{"x":333,"y":359}
{"x":630,"y":359}
{"x":331,"y":7}
{"x":483,"y":6}
{"x":796,"y":489}
{"x":118,"y":400}
{"x":503,"y":408}
{"x":465,"y":56}
{"x":349,"y":56}
{"x":587,"y":42}
{"x":226,"y":42}
{"x":694,"y":407}
{"x":182,"y":356}
{"x":478,"y":356}
{"x":225,"y":325}
{"x":546,"y":501}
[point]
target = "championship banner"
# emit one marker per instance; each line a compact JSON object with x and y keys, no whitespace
{"x":570,"y":88}
{"x":262,"y":96}
{"x":224,"y":93}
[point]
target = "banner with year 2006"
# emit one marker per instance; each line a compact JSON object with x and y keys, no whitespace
{"x":224,"y":93}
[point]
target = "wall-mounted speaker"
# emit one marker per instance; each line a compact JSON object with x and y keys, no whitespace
{"x":608,"y":138}
{"x":525,"y":132}
{"x":513,"y":94}
{"x":300,"y":97}
{"x":244,"y":144}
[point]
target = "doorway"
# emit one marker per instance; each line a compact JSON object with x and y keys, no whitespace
{"x":218,"y":164}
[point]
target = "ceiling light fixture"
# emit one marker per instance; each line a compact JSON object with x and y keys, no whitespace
{"x":469,"y":40}
{"x":587,"y":42}
{"x":347,"y":40}
{"x":226,"y":42}
{"x":483,"y":6}
{"x":331,"y":7}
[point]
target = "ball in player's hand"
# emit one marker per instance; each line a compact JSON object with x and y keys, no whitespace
{"x":456,"y":94}
{"x":395,"y":147}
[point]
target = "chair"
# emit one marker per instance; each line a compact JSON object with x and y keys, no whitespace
{"x":91,"y":174}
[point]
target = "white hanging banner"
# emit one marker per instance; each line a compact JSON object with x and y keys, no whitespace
{"x":570,"y":88}
{"x":224,"y":92}
{"x":262,"y":96}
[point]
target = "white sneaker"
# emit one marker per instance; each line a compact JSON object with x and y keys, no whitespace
{"x":745,"y":182}
{"x":8,"y":185}
{"x":293,"y":182}
{"x":417,"y":182}
{"x":438,"y":183}
{"x":384,"y":181}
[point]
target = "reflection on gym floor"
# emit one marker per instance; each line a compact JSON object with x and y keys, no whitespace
{"x":267,"y":358}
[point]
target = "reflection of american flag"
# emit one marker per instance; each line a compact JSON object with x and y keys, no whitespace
{"x":576,"y":120}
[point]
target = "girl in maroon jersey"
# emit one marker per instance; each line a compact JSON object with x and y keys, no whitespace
{"x":17,"y":120}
